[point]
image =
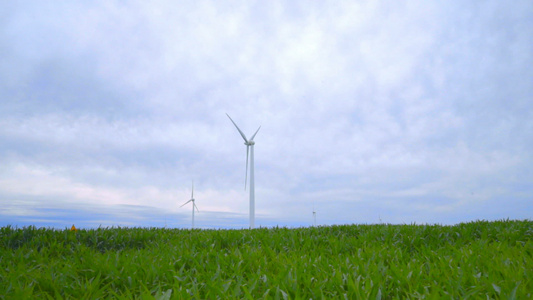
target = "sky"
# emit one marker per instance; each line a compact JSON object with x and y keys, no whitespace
{"x":371,"y":112}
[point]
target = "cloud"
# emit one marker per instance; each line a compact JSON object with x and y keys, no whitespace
{"x":403,"y":110}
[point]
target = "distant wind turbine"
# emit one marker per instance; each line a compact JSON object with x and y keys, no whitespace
{"x":193,"y":205}
{"x":249,"y":150}
{"x":314,"y":215}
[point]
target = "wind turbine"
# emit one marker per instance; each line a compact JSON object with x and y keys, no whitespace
{"x":193,"y":205}
{"x":249,"y":150}
{"x":314,"y":214}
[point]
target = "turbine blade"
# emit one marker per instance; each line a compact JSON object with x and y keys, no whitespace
{"x":186,"y":203}
{"x":246,"y":174}
{"x":243,"y":136}
{"x":196,"y":207}
{"x":255,"y":133}
{"x":192,"y":192}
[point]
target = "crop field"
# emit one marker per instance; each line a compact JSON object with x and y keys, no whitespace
{"x":470,"y":260}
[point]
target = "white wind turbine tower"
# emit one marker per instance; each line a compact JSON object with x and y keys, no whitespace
{"x":193,"y":205}
{"x":249,"y":149}
{"x":314,"y":214}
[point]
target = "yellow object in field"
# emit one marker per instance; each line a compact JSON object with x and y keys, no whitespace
{"x":73,"y":228}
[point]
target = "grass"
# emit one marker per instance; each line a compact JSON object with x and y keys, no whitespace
{"x":470,"y":260}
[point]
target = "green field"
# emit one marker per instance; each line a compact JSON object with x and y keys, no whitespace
{"x":469,"y":260}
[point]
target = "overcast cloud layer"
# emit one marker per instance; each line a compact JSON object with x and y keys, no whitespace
{"x":371,"y":111}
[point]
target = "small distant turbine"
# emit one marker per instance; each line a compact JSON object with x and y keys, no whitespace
{"x":249,"y":149}
{"x":193,"y":205}
{"x":314,"y":215}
